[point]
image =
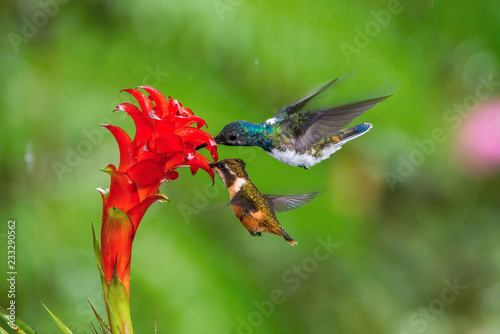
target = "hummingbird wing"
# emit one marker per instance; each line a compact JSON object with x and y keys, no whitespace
{"x":241,"y":200}
{"x":282,"y":203}
{"x":298,"y":106}
{"x":310,"y":127}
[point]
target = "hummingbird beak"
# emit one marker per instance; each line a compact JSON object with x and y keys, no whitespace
{"x":201,"y":146}
{"x":217,"y":141}
{"x":218,"y":138}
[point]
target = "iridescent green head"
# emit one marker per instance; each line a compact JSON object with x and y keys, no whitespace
{"x":243,"y":133}
{"x":235,"y":134}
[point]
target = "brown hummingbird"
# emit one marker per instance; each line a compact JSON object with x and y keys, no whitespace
{"x":255,"y":211}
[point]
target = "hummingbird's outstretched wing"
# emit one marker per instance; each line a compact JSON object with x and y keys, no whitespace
{"x":298,"y":106}
{"x":281,"y":203}
{"x":315,"y":125}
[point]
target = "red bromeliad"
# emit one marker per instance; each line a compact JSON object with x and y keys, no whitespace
{"x":164,"y":141}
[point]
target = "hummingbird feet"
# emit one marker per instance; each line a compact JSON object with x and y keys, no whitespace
{"x":256,"y":234}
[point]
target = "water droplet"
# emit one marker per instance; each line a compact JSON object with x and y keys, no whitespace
{"x":29,"y":157}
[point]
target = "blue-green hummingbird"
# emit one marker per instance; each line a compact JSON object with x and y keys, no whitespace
{"x":298,"y":136}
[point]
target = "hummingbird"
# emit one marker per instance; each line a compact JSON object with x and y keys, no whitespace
{"x":255,"y":211}
{"x":298,"y":136}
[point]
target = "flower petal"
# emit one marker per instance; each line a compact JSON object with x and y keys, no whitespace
{"x":125,"y":145}
{"x":213,"y":152}
{"x":104,"y":193}
{"x":189,"y":152}
{"x":122,"y":191}
{"x":145,"y":103}
{"x":159,"y":100}
{"x":197,"y":137}
{"x":171,"y":175}
{"x":185,"y":112}
{"x":145,"y":154}
{"x":194,"y":135}
{"x":167,"y":144}
{"x":174,"y":162}
{"x":147,"y":176}
{"x":202,"y":162}
{"x":187,"y":121}
{"x":164,"y":127}
{"x":127,"y":107}
{"x":173,"y":106}
{"x":143,"y":128}
{"x":137,"y":212}
{"x":117,"y":234}
{"x":194,"y":169}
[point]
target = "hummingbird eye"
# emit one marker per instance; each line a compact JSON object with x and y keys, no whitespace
{"x":223,"y":165}
{"x":233,"y":136}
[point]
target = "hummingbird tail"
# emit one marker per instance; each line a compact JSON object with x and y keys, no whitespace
{"x":353,"y":132}
{"x":288,"y":238}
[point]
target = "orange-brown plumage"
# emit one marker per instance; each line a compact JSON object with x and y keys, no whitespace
{"x":254,"y":210}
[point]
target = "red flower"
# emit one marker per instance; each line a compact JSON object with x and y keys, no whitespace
{"x":164,"y":140}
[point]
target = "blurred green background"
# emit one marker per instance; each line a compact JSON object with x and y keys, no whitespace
{"x":415,"y":235}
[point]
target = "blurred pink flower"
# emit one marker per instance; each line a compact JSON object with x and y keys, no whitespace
{"x":478,"y":139}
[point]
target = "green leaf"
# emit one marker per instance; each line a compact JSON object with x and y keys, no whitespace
{"x":164,"y":198}
{"x":97,"y":251}
{"x":59,"y":323}
{"x":98,"y":259}
{"x":21,"y":328}
{"x":104,"y":326}
{"x":119,"y":307}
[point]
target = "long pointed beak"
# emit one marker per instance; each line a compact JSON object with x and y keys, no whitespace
{"x":201,"y":146}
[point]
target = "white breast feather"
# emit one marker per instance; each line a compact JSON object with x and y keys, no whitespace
{"x":238,"y":184}
{"x":291,"y":157}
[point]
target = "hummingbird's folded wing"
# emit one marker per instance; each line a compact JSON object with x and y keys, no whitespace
{"x":316,"y":125}
{"x":282,"y":203}
{"x":241,"y":200}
